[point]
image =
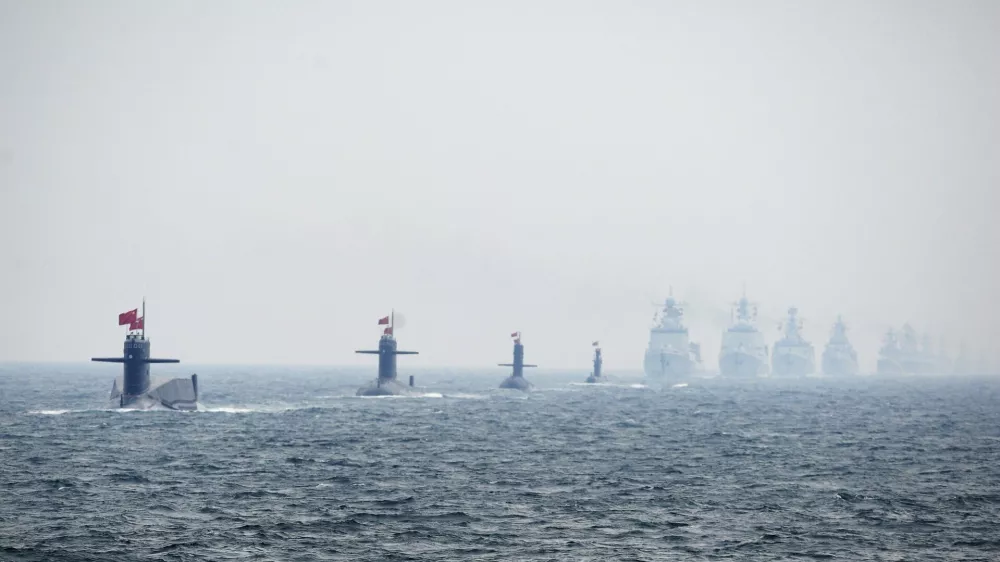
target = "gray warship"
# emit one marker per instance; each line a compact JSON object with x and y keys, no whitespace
{"x":595,"y":376}
{"x":963,"y":364}
{"x":670,"y":353}
{"x":905,"y":354}
{"x":889,"y":355}
{"x":792,"y":354}
{"x":839,"y":357}
{"x":516,"y":380}
{"x":386,"y":384}
{"x":136,"y":389}
{"x":743,"y":352}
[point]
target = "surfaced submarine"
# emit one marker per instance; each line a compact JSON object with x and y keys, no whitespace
{"x":136,"y":390}
{"x":516,"y":380}
{"x":386,"y":383}
{"x":596,"y":375}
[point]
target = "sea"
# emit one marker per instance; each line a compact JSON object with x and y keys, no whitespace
{"x":286,"y":464}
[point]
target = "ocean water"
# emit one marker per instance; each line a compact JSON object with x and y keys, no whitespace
{"x":286,"y":464}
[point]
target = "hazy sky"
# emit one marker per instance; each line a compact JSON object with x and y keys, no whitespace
{"x":275,"y":176}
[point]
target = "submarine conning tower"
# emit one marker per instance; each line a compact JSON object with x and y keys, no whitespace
{"x":135,"y":357}
{"x":136,"y":360}
{"x":387,"y":353}
{"x":598,"y":361}
{"x":518,"y":363}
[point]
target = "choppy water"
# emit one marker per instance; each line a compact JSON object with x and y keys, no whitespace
{"x":286,"y":464}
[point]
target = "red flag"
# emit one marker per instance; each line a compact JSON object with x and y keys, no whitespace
{"x":515,"y":334}
{"x":388,"y":331}
{"x":137,"y":325}
{"x":382,"y":321}
{"x":127,"y":317}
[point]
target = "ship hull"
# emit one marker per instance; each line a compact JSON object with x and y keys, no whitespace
{"x":792,"y":364}
{"x":737,"y":364}
{"x":172,"y":394}
{"x":390,"y":387}
{"x":839,"y":365}
{"x":667,"y":364}
{"x":592,"y":379}
{"x":516,"y":383}
{"x":889,"y":367}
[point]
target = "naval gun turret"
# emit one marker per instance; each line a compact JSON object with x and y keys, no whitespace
{"x":516,"y":380}
{"x":598,"y":361}
{"x":137,"y":390}
{"x":386,"y":384}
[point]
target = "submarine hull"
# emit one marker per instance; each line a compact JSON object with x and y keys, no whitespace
{"x":516,"y":383}
{"x":390,"y":387}
{"x":592,"y":379}
{"x":171,"y":394}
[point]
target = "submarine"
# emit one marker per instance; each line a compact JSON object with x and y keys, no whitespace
{"x":598,"y":361}
{"x":137,"y":390}
{"x":516,"y":380}
{"x":386,"y":384}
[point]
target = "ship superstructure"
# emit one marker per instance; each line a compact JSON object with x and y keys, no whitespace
{"x":743,"y":353}
{"x":670,"y":353}
{"x":137,"y":390}
{"x":839,"y":357}
{"x":793,"y":355}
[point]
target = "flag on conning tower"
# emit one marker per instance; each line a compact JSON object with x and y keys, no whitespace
{"x":127,"y":317}
{"x":595,"y":344}
{"x":515,"y":335}
{"x":387,"y":331}
{"x":138,"y":324}
{"x":382,"y":321}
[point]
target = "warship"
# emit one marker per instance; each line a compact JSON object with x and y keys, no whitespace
{"x":906,"y":354}
{"x":792,"y":354}
{"x":386,"y":384}
{"x":598,"y":362}
{"x":137,"y":390}
{"x":943,"y":362}
{"x":889,"y":355}
{"x":743,"y":352}
{"x":963,"y":364}
{"x":670,"y":353}
{"x":516,"y":380}
{"x":839,"y":357}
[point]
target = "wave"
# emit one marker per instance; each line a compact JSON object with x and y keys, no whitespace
{"x":610,"y":385}
{"x":83,"y":411}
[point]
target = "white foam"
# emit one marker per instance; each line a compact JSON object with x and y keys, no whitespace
{"x":228,"y":410}
{"x":465,"y":396}
{"x":680,"y":385}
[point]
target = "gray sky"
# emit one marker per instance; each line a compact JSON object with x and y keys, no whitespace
{"x":274,"y":176}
